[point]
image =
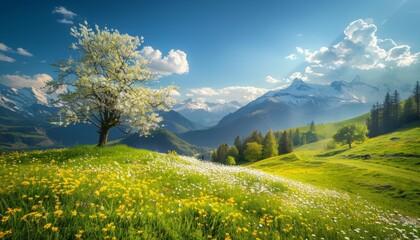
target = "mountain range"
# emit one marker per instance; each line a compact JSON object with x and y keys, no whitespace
{"x":296,"y":105}
{"x":24,"y":115}
{"x":207,"y":114}
{"x":24,"y":123}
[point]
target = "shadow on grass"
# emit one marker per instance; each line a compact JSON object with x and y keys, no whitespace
{"x":332,"y":153}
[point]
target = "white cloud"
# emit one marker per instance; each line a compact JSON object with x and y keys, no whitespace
{"x":174,"y":63}
{"x":5,"y":48}
{"x":37,"y":81}
{"x":296,"y":75}
{"x":23,"y":52}
{"x":6,"y":58}
{"x":291,"y":57}
{"x":243,"y":94}
{"x":270,"y":79}
{"x":204,"y":91}
{"x":360,"y":49}
{"x":66,"y":14}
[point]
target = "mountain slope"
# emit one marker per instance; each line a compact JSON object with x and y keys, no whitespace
{"x":177,"y":123}
{"x":294,"y":106}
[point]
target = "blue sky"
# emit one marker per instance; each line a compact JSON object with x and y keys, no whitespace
{"x":225,"y":50}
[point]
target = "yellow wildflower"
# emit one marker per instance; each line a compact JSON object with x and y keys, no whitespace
{"x":5,"y":218}
{"x":58,"y":212}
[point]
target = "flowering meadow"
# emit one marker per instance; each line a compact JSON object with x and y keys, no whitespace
{"x":123,"y":193}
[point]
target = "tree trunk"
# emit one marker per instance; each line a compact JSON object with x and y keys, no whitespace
{"x":349,"y":145}
{"x":103,"y":137}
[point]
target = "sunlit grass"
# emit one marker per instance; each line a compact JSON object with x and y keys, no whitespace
{"x":123,"y":193}
{"x":390,"y":179}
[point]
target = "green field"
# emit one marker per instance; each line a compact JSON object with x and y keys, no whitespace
{"x":391,"y":179}
{"x":124,"y":193}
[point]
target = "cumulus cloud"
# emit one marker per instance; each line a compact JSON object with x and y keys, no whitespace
{"x":5,"y":48}
{"x":360,"y":50}
{"x":205,"y":91}
{"x":174,"y":63}
{"x":243,"y":94}
{"x":6,"y":58}
{"x":23,"y":52}
{"x":37,"y":81}
{"x":270,"y":79}
{"x":65,"y":13}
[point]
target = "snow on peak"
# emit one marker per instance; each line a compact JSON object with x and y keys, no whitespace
{"x":331,"y":95}
{"x":200,"y":104}
{"x":23,"y":99}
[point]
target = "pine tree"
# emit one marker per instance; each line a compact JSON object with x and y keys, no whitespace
{"x":289,"y":143}
{"x":387,"y":114}
{"x":255,"y":136}
{"x":296,"y":138}
{"x":311,"y":135}
{"x":409,"y":112}
{"x":303,"y":139}
{"x":269,"y":145}
{"x":416,"y":96}
{"x":240,"y":146}
{"x":222,"y":152}
{"x":373,"y":124}
{"x":396,"y":111}
{"x":214,"y":156}
{"x":284,"y":144}
{"x":378,"y":117}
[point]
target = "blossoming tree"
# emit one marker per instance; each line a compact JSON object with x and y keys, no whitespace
{"x":108,"y":84}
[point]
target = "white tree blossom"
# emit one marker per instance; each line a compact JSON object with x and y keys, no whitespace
{"x":108,"y":83}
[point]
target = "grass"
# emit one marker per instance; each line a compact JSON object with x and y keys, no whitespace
{"x":327,"y":130}
{"x":124,"y":193}
{"x":390,"y":179}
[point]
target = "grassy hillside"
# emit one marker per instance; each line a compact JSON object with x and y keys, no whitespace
{"x":390,"y":179}
{"x":124,"y":193}
{"x":327,"y":130}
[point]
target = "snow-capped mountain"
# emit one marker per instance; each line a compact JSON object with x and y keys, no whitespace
{"x":25,"y":101}
{"x":206,"y":113}
{"x":335,"y":94}
{"x":25,"y":122}
{"x":293,"y":106}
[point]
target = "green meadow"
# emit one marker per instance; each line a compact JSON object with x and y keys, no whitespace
{"x":123,"y":193}
{"x":389,"y":179}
